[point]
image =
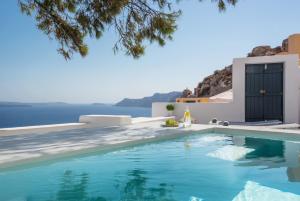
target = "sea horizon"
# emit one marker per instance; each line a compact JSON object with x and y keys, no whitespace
{"x":42,"y":114}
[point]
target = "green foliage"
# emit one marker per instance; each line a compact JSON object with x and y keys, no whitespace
{"x":171,"y":123}
{"x":70,"y":22}
{"x":170,"y":107}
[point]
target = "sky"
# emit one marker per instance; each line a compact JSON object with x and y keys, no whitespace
{"x":31,"y":70}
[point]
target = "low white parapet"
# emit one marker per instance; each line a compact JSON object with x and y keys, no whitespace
{"x":105,"y":120}
{"x":41,"y":128}
{"x":137,"y":120}
{"x":202,"y":112}
{"x":85,"y":121}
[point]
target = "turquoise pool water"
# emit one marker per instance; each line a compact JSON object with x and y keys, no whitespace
{"x":208,"y":167}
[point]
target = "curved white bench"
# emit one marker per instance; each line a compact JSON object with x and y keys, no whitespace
{"x":105,"y":120}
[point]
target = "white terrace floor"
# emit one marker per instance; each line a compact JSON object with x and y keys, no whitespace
{"x":15,"y":148}
{"x":20,"y":147}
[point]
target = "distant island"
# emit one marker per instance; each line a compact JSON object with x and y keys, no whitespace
{"x":20,"y":104}
{"x":147,"y":101}
{"x":101,"y":104}
{"x":14,"y":104}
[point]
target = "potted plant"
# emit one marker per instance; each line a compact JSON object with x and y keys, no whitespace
{"x":170,"y":108}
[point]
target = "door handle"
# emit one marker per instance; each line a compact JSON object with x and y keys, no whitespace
{"x":262,"y":91}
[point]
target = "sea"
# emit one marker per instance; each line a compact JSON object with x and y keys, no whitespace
{"x":15,"y":116}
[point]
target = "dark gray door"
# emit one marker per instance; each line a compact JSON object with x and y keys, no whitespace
{"x":264,"y":92}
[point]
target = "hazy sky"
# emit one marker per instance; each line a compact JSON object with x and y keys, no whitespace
{"x":32,"y":71}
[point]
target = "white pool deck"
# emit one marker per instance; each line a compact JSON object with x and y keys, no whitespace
{"x":26,"y":147}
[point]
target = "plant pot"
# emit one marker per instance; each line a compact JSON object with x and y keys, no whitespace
{"x":170,"y":113}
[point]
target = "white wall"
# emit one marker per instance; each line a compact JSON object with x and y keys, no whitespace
{"x":235,"y":111}
{"x":202,"y":112}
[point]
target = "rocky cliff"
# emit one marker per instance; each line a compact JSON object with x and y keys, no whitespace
{"x":216,"y":83}
{"x":221,"y":80}
{"x":147,"y":101}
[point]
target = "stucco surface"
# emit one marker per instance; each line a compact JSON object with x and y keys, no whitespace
{"x":22,"y":147}
{"x":235,"y":110}
{"x":27,"y":148}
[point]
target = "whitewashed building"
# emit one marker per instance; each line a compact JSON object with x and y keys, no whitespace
{"x":264,"y":88}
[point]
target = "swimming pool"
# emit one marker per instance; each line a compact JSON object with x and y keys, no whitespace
{"x":208,"y":167}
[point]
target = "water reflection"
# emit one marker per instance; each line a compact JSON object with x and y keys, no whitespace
{"x":271,"y":154}
{"x":136,"y":188}
{"x":293,"y":174}
{"x":264,"y":148}
{"x":75,"y":188}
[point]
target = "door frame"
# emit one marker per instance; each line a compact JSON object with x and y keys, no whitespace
{"x":283,"y":88}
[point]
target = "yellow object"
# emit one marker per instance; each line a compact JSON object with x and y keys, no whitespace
{"x":187,"y":119}
{"x":187,"y":115}
{"x":187,"y":145}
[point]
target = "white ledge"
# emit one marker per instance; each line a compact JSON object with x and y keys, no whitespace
{"x":41,"y":128}
{"x":105,"y":120}
{"x":85,"y":121}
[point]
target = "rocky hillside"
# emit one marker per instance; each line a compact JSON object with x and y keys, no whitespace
{"x":221,"y":80}
{"x":216,"y":83}
{"x":147,"y":101}
{"x":268,"y":50}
